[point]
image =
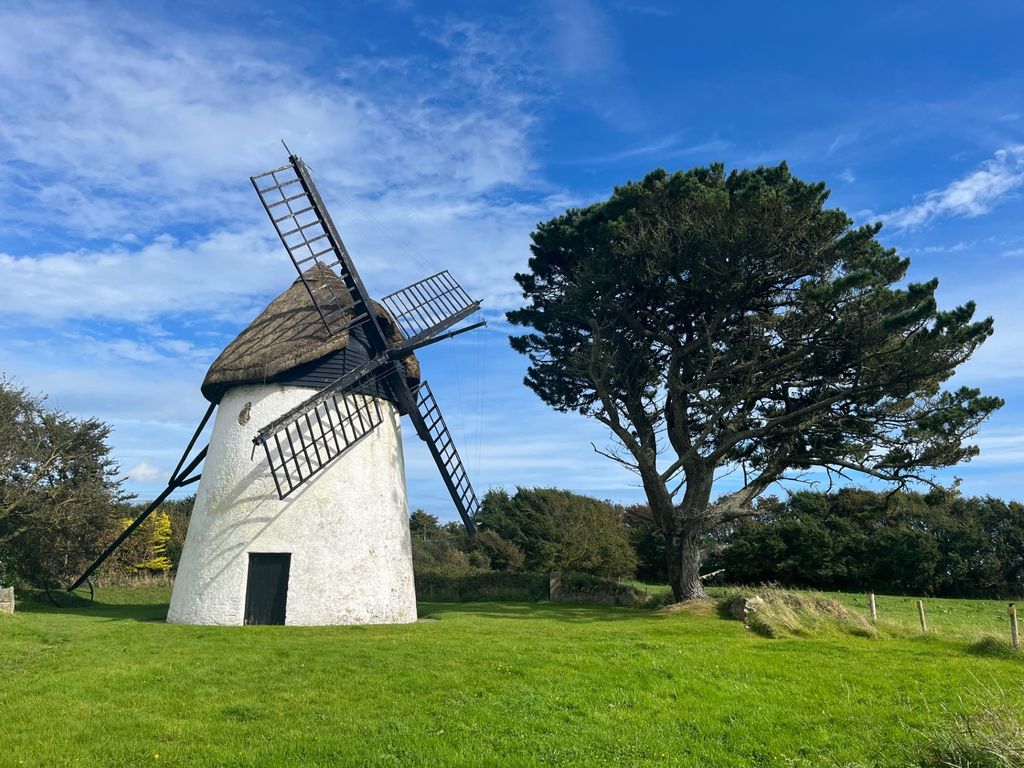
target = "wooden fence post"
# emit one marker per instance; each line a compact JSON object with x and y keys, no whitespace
{"x":920,"y":614}
{"x":874,"y":608}
{"x":1014,"y":633}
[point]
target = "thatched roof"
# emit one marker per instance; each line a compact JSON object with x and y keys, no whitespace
{"x":287,"y":334}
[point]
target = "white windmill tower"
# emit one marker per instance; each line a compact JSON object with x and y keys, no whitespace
{"x":319,"y":533}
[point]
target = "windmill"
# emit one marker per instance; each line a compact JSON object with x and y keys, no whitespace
{"x":314,"y":531}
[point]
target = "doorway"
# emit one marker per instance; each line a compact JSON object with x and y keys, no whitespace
{"x":266,"y":590}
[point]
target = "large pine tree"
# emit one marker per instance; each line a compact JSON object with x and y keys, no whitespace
{"x":718,"y":322}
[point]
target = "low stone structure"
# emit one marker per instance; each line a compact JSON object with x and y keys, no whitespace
{"x":742,"y":608}
{"x":6,"y":599}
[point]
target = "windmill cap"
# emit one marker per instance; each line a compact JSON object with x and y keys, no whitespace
{"x":290,"y":333}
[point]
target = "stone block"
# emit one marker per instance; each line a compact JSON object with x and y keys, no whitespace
{"x":6,"y":599}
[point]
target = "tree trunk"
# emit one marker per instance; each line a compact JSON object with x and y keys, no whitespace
{"x":684,"y":558}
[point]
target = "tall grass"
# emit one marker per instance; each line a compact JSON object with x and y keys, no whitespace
{"x":987,"y":732}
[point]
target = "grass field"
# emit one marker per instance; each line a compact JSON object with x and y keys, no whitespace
{"x":485,"y":684}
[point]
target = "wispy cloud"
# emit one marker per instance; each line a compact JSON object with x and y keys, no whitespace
{"x":843,"y":139}
{"x":660,"y":150}
{"x":584,"y":43}
{"x":133,"y":245}
{"x":957,"y":247}
{"x":113,"y":125}
{"x":972,"y":195}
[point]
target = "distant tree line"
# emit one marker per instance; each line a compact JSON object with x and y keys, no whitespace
{"x":903,"y":543}
{"x":62,"y":502}
{"x":853,"y":540}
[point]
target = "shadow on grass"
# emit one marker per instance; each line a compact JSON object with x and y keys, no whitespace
{"x":543,"y":611}
{"x":994,"y":647}
{"x":75,"y":605}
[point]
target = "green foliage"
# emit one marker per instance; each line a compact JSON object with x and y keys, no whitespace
{"x":560,"y":531}
{"x":716,"y":321}
{"x":437,"y":547}
{"x":499,"y":553}
{"x":648,"y":543}
{"x":903,"y":543}
{"x":60,"y":495}
{"x":584,"y":588}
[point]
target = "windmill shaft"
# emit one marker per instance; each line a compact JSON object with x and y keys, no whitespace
{"x":338,"y":387}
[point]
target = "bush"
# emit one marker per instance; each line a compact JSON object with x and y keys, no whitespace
{"x":903,"y":543}
{"x":584,"y":588}
{"x":556,"y":530}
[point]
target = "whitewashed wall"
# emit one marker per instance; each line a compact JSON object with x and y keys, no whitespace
{"x":347,"y":529}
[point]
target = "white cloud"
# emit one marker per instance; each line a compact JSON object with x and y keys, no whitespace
{"x":133,"y":141}
{"x":144,"y":472}
{"x":972,"y":195}
{"x":217,"y":272}
{"x":1000,"y":446}
{"x":133,"y":132}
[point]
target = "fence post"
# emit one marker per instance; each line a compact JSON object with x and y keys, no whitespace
{"x":874,"y":608}
{"x":1014,"y":633}
{"x":920,"y":614}
{"x":554,"y":586}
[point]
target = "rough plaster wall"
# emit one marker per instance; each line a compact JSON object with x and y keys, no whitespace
{"x":347,"y":529}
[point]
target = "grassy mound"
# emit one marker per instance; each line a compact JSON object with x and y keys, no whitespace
{"x":787,"y":613}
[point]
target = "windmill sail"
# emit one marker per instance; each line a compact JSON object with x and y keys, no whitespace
{"x":427,"y":307}
{"x":303,"y":440}
{"x":306,"y":438}
{"x":302,"y":446}
{"x":431,"y":427}
{"x":297,"y":212}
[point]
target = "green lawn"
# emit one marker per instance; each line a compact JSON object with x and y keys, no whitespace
{"x":483,"y":684}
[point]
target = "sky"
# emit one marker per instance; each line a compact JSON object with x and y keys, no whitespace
{"x":133,"y":248}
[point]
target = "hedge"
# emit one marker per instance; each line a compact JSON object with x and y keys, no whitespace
{"x":437,"y":585}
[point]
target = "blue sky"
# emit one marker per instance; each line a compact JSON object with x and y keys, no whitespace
{"x":132,"y":247}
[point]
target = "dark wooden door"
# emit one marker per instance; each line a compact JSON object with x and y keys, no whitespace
{"x":266,"y":591}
